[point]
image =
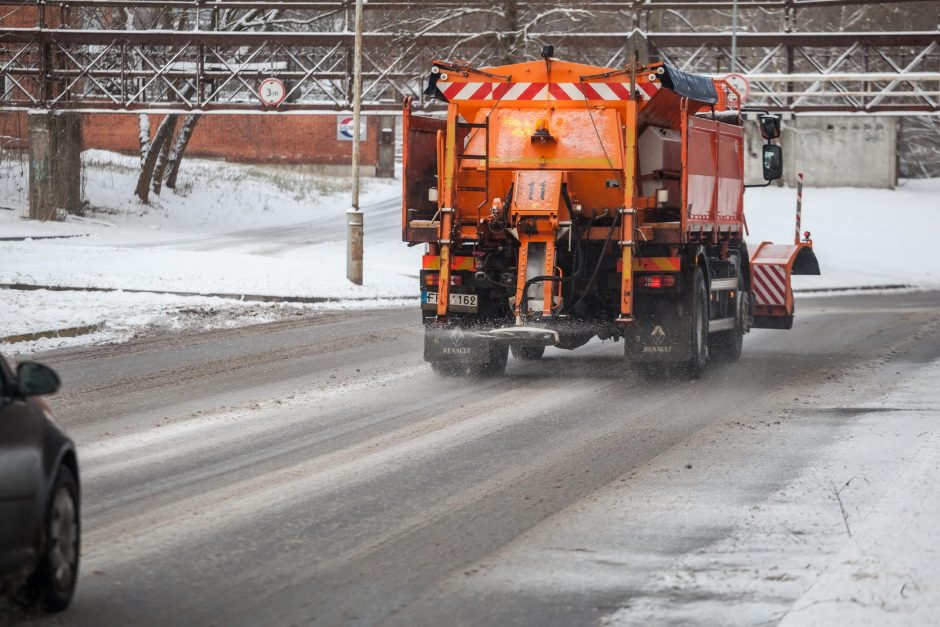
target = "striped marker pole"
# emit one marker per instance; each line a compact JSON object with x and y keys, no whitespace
{"x":799,"y":206}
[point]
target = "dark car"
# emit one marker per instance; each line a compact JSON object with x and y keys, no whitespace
{"x":39,"y":493}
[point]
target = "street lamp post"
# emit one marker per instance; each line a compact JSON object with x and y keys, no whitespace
{"x":354,"y":217}
{"x":734,"y":36}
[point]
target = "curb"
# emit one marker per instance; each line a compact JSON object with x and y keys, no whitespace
{"x":857,"y":288}
{"x":41,"y":335}
{"x":260,"y":298}
{"x":23,"y":238}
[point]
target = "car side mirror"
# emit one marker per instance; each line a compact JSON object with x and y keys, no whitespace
{"x":769,"y":126}
{"x":773,"y":162}
{"x":34,"y":379}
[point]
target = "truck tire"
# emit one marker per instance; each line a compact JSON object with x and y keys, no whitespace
{"x":529,"y":353}
{"x":699,"y":327}
{"x":51,"y":586}
{"x":726,"y":345}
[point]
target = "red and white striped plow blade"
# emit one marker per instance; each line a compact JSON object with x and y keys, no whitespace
{"x":769,"y":284}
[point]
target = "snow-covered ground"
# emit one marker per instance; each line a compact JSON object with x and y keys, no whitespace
{"x":255,"y":230}
{"x":862,"y":237}
{"x":227,"y":229}
{"x":854,"y":534}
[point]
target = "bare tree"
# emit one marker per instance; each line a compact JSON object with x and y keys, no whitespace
{"x":179,"y":147}
{"x":148,"y":167}
{"x":161,"y":157}
{"x":143,"y":134}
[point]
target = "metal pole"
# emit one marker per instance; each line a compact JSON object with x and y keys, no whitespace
{"x":354,"y":216}
{"x":734,"y":36}
{"x":799,"y":207}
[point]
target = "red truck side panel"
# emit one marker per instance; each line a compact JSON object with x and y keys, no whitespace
{"x":714,"y":176}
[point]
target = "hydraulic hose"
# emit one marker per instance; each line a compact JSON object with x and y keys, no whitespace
{"x":597,"y":266}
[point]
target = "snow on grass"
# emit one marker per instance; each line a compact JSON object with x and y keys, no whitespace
{"x":228,"y":229}
{"x":214,"y":196}
{"x":862,"y":237}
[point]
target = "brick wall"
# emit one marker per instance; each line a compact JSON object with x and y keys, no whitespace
{"x":13,"y":131}
{"x":293,"y":139}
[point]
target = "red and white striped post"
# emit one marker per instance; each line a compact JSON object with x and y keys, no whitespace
{"x":799,"y":206}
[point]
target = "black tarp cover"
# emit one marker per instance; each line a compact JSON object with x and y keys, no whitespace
{"x":700,"y":88}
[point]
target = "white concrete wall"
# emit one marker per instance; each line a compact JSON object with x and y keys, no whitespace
{"x":832,"y":151}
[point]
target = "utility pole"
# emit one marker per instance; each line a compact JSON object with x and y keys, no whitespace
{"x":734,"y":36}
{"x":354,"y":216}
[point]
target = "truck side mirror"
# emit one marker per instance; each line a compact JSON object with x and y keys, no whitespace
{"x":769,"y":126}
{"x":773,"y":162}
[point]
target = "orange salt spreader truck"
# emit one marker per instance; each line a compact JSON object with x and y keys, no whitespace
{"x":560,"y":201}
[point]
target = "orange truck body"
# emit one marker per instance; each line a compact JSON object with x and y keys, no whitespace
{"x":560,"y":201}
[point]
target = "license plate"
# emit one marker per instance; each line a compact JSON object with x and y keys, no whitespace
{"x":457,"y":301}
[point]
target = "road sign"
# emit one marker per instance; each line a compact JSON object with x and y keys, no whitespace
{"x":740,"y":84}
{"x":272,"y":92}
{"x":344,"y":127}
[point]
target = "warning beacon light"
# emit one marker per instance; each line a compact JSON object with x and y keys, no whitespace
{"x":541,"y":134}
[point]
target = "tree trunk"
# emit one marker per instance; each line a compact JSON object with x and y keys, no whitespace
{"x":160,"y":166}
{"x":143,"y":134}
{"x":176,"y":156}
{"x":164,"y":133}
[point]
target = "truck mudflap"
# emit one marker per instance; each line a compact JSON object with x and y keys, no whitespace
{"x":659,"y":336}
{"x":457,"y":345}
{"x":772,"y":267}
{"x":477,"y":346}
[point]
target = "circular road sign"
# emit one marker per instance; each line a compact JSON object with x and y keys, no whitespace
{"x":345,"y":129}
{"x":740,"y":84}
{"x":272,"y":92}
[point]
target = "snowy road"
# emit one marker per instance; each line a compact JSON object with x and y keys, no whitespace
{"x":316,"y":472}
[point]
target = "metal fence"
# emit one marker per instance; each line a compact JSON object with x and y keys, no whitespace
{"x":210,"y":56}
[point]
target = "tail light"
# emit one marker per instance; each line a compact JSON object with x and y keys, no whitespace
{"x":658,"y":281}
{"x":433,"y":279}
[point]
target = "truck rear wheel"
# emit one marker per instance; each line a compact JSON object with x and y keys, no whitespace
{"x":699,"y":328}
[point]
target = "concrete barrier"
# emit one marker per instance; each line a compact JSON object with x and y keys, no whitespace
{"x":832,"y":151}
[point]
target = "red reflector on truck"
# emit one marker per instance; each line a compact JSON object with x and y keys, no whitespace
{"x":433,"y":262}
